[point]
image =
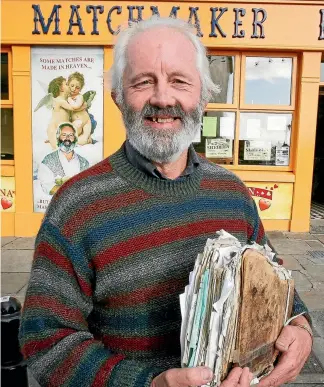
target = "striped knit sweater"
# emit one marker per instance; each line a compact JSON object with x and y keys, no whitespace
{"x":112,"y":256}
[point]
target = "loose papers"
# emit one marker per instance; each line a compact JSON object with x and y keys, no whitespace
{"x":220,"y":303}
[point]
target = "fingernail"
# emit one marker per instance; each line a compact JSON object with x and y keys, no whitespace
{"x":207,"y":374}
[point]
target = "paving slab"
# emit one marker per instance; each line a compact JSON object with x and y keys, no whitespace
{"x":301,"y":235}
{"x":302,"y":283}
{"x":21,"y":244}
{"x":290,"y":247}
{"x":316,"y":272}
{"x":313,"y":299}
{"x":273,"y":235}
{"x":320,"y":237}
{"x":16,"y":261}
{"x":316,"y":245}
{"x":303,"y":259}
{"x":6,"y":240}
{"x":290,"y":262}
{"x":12,"y":283}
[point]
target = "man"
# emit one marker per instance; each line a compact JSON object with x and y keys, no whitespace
{"x":119,"y":240}
{"x":57,"y":167}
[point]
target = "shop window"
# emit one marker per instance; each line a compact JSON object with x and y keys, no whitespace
{"x":222,"y":73}
{"x":265,"y":138}
{"x":7,"y":149}
{"x":267,"y":81}
{"x":4,"y":76}
{"x":322,"y":71}
{"x":216,"y":138}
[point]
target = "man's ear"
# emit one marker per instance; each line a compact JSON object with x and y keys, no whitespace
{"x":114,"y":97}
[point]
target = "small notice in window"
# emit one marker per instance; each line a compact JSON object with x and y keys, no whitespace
{"x":219,"y":148}
{"x":209,"y":126}
{"x":277,"y":123}
{"x":282,"y":155}
{"x":257,"y":150}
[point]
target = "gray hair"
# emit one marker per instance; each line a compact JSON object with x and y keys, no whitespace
{"x":208,"y":87}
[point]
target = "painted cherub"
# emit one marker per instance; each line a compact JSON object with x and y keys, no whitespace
{"x":80,"y":118}
{"x":58,"y":92}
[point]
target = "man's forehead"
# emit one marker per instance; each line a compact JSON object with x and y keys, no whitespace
{"x":66,"y":129}
{"x":166,"y":43}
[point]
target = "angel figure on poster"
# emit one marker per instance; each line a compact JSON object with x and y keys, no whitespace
{"x":68,"y":104}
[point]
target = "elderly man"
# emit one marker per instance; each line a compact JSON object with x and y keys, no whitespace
{"x":60,"y":165}
{"x":118,"y":240}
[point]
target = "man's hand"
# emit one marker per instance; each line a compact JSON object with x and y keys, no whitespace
{"x":186,"y":377}
{"x":295,"y":345}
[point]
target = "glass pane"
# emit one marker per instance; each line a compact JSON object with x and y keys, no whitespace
{"x":265,"y":138}
{"x":4,"y":77}
{"x":222,"y":73}
{"x":268,"y":81}
{"x":7,"y":149}
{"x":322,"y":72}
{"x":216,"y":139}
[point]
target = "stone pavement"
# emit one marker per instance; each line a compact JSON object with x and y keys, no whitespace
{"x":303,"y":253}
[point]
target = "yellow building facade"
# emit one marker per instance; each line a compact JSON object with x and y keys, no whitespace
{"x":266,"y":56}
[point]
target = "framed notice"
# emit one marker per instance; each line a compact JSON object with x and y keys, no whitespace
{"x":257,"y":150}
{"x":219,"y":148}
{"x":282,"y":155}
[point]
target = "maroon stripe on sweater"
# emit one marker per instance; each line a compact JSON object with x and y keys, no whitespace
{"x":118,"y":343}
{"x":98,"y":169}
{"x":101,"y":206}
{"x":167,"y":235}
{"x":53,"y":305}
{"x":143,"y":295}
{"x":223,"y":185}
{"x":34,"y":346}
{"x":104,"y":372}
{"x":60,"y":375}
{"x":62,"y":262}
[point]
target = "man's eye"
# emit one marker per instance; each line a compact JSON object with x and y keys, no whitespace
{"x":143,"y":83}
{"x":179,"y":81}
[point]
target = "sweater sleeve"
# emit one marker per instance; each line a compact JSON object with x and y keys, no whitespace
{"x":54,"y":335}
{"x":260,"y":237}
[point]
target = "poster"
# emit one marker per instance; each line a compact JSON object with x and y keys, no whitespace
{"x":253,"y":128}
{"x":257,"y":150}
{"x":277,"y":122}
{"x":227,"y":127}
{"x":282,"y":155}
{"x":273,"y":199}
{"x":209,"y":126}
{"x":67,"y":87}
{"x":8,"y":194}
{"x":219,"y":148}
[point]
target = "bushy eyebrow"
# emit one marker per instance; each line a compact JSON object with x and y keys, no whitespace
{"x":137,"y":77}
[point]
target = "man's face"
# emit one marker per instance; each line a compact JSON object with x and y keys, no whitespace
{"x":162,"y":89}
{"x":67,"y":139}
{"x":75,"y":87}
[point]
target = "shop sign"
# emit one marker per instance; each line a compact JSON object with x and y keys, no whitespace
{"x":135,"y":13}
{"x":8,"y":194}
{"x":67,"y":118}
{"x":273,"y":200}
{"x":219,"y":148}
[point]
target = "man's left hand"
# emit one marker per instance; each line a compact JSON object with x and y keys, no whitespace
{"x":295,"y":345}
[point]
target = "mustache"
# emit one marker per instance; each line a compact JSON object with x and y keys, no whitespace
{"x":174,"y":111}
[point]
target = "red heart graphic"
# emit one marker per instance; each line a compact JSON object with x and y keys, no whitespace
{"x":6,"y":203}
{"x":264,"y":204}
{"x":276,"y":186}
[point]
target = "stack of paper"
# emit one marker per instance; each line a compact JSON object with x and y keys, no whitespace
{"x":222,"y":297}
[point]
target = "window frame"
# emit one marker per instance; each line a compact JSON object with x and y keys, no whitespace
{"x":292,"y":105}
{"x":239,"y":107}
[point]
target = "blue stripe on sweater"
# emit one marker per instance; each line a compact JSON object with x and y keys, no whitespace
{"x":167,"y":212}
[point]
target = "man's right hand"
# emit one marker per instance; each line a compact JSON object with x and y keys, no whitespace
{"x":198,"y":376}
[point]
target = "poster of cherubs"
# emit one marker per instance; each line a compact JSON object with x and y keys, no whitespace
{"x":67,"y":116}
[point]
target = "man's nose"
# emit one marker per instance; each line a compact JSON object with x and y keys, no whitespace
{"x":162,"y":95}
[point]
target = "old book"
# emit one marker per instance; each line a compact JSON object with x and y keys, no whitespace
{"x":237,"y":301}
